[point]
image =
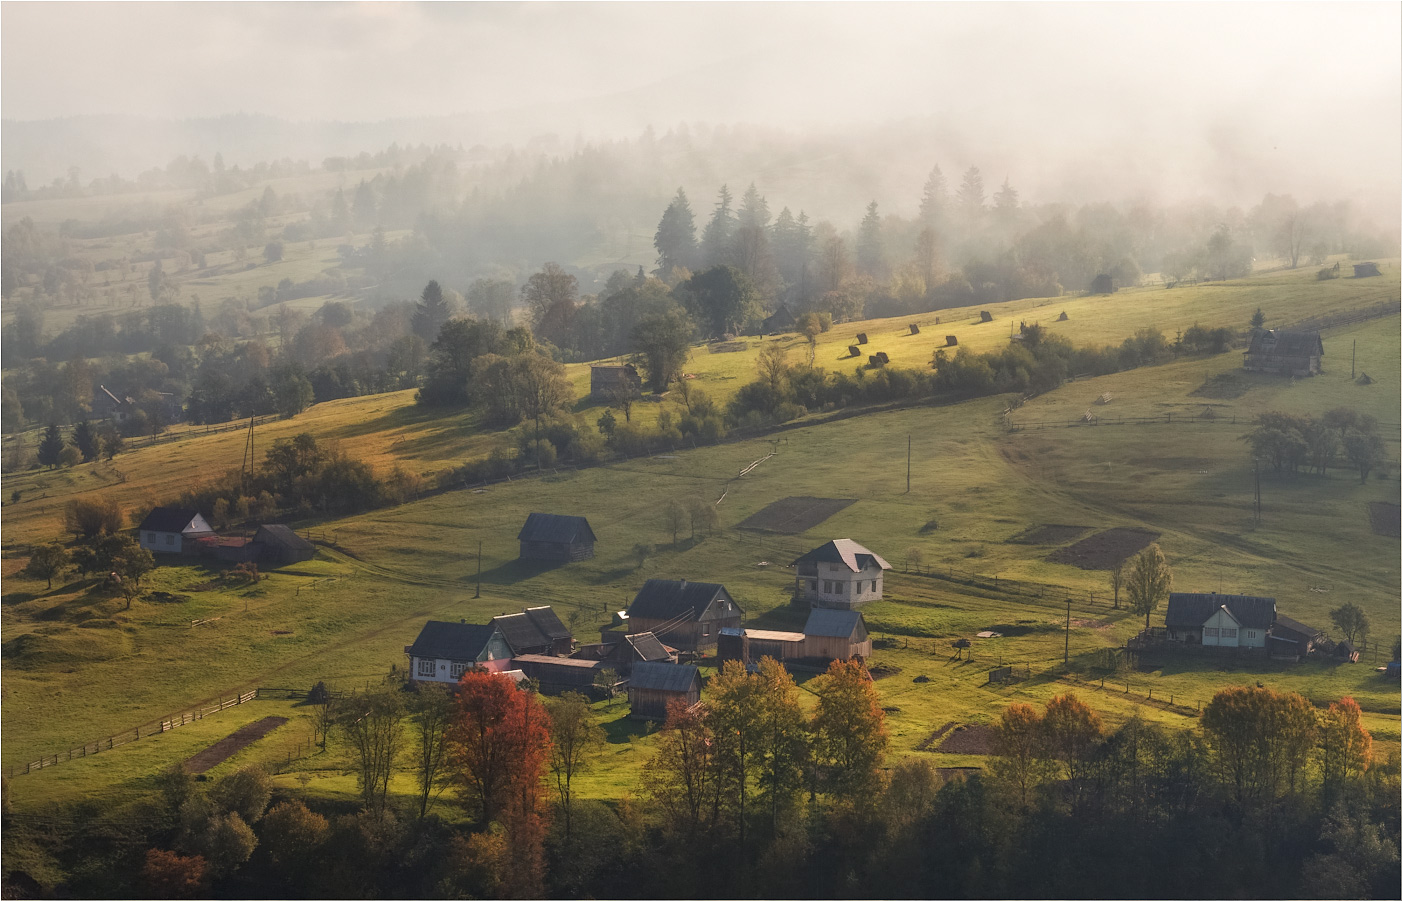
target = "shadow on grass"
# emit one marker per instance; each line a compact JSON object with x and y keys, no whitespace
{"x":517,"y":570}
{"x":401,"y":418}
{"x":17,"y":597}
{"x":624,"y":728}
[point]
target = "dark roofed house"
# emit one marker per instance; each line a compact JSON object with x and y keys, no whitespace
{"x":781,"y":320}
{"x":444,"y":651}
{"x":535,"y":630}
{"x":1283,"y":353}
{"x":556,"y":538}
{"x":1103,"y":284}
{"x":1289,"y":638}
{"x":653,"y":685}
{"x":1364,"y":270}
{"x":1219,"y":620}
{"x":172,"y":530}
{"x":606,"y":381}
{"x":107,"y":405}
{"x":278,"y":545}
{"x":836,"y":635}
{"x":685,"y":615}
{"x":840,"y":573}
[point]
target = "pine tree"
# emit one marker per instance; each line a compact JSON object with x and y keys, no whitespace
{"x":871,"y":249}
{"x":754,"y":209}
{"x":431,"y":312}
{"x":716,"y":238}
{"x":935,"y":199}
{"x":1005,"y":203}
{"x":85,"y":438}
{"x":676,"y":236}
{"x":50,"y":446}
{"x":971,"y":195}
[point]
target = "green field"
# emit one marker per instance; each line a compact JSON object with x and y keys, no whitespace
{"x":78,"y":668}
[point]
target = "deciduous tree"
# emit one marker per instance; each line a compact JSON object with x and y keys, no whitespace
{"x":1260,"y":741}
{"x":1149,"y":582}
{"x":850,"y":728}
{"x":574,"y":737}
{"x":430,"y":716}
{"x":47,"y":561}
{"x":1019,"y":750}
{"x":1351,"y":620}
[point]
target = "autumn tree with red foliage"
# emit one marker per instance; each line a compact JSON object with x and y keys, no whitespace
{"x":501,"y":740}
{"x":170,"y":875}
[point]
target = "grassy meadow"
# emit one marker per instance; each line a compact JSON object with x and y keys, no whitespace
{"x":78,"y":667}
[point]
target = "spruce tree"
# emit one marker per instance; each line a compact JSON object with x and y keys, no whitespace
{"x":716,"y":238}
{"x":676,"y":236}
{"x":85,"y":438}
{"x":50,"y":446}
{"x":871,"y":250}
{"x":935,"y":199}
{"x":432,"y":311}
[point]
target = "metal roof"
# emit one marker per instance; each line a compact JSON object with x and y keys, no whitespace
{"x":168,"y":519}
{"x":647,"y":646}
{"x":533,"y":627}
{"x":282,"y":536}
{"x":844,"y":551}
{"x":771,"y":635}
{"x":1280,"y":341}
{"x":677,"y":677}
{"x":1297,"y":628}
{"x":554,"y":528}
{"x":669,"y":598}
{"x":1190,"y":611}
{"x":548,"y":623}
{"x":452,"y":641}
{"x":833,"y":623}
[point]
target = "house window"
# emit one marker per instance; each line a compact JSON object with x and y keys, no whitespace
{"x":813,"y":585}
{"x":1251,"y":633}
{"x":170,"y":539}
{"x":706,"y":630}
{"x":457,"y":669}
{"x":1229,"y":633}
{"x":1209,"y":632}
{"x":426,"y":668}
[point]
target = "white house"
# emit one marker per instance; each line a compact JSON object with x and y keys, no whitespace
{"x":839,"y":574}
{"x":444,"y":651}
{"x":1219,"y":620}
{"x":170,"y":530}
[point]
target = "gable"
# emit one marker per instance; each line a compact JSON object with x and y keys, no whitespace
{"x":554,"y":528}
{"x":173,"y":519}
{"x":1189,"y":611}
{"x":845,"y":552}
{"x":672,"y":599}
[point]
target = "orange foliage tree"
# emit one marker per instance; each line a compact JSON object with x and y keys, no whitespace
{"x":850,"y":727}
{"x":170,"y":875}
{"x":1260,"y":741}
{"x":1345,"y":747}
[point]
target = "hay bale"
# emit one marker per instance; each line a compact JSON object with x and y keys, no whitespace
{"x":881,"y":356}
{"x":1063,"y":317}
{"x":1364,"y":379}
{"x":854,"y":350}
{"x":861,"y":337}
{"x":914,"y":329}
{"x":985,"y":316}
{"x":951,"y":341}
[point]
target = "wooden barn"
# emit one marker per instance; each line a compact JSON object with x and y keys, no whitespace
{"x":535,"y":630}
{"x":1365,"y":270}
{"x":686,"y":615}
{"x":749,"y":645}
{"x":556,"y":538}
{"x":1283,"y":353}
{"x":444,"y":651}
{"x":653,"y":685}
{"x":622,"y":651}
{"x":557,"y":675}
{"x":1290,"y":639}
{"x":278,"y":545}
{"x":606,"y":381}
{"x":171,"y":530}
{"x":781,"y":320}
{"x":1103,"y":284}
{"x":836,"y":635}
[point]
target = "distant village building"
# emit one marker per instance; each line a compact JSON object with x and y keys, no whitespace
{"x":1219,"y":620}
{"x":606,"y":381}
{"x":1283,"y":353}
{"x":278,"y":545}
{"x":107,"y":405}
{"x":652,"y":686}
{"x":781,"y":320}
{"x":171,"y":530}
{"x":556,"y":538}
{"x":840,"y":574}
{"x":749,"y":645}
{"x":685,"y":615}
{"x":836,"y":635}
{"x":557,"y":675}
{"x":444,"y":651}
{"x":1103,"y":284}
{"x":1364,"y":270}
{"x":535,"y":630}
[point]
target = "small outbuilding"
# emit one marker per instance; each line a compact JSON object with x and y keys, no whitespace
{"x":836,"y":635}
{"x":686,"y":615}
{"x":781,"y":320}
{"x":1346,"y":652}
{"x":278,"y":545}
{"x":1283,"y":352}
{"x":1103,"y":284}
{"x":1290,"y":639}
{"x":444,"y":651}
{"x":556,"y":538}
{"x":609,"y":380}
{"x":985,"y":316}
{"x":173,"y":530}
{"x":557,"y":675}
{"x":652,"y":686}
{"x":749,"y":645}
{"x":1364,"y":270}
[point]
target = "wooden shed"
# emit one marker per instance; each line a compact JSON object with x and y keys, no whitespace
{"x":606,"y":381}
{"x":556,"y":538}
{"x":1283,"y":352}
{"x":781,"y":320}
{"x":535,"y":630}
{"x":749,"y":645}
{"x":686,"y":615}
{"x":557,"y":675}
{"x":1364,"y":270}
{"x":1103,"y":284}
{"x":652,"y":685}
{"x":278,"y":545}
{"x":836,"y":635}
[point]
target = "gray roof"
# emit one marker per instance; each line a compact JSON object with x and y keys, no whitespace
{"x":554,"y":528}
{"x":669,"y":598}
{"x":167,"y":519}
{"x":678,"y":677}
{"x":533,"y":627}
{"x":1280,"y":341}
{"x":282,"y":536}
{"x":844,"y":551}
{"x":452,"y":641}
{"x":833,"y":623}
{"x":1284,"y":624}
{"x":1190,"y":611}
{"x":647,"y":646}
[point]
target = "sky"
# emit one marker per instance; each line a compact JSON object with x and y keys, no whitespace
{"x":1151,"y":87}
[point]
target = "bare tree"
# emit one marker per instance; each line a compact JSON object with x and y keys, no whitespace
{"x":574,"y":735}
{"x":371,"y":722}
{"x":431,"y":713}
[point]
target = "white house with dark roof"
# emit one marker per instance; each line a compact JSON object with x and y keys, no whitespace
{"x":171,"y":530}
{"x":1219,"y":620}
{"x":444,"y":651}
{"x":839,"y":574}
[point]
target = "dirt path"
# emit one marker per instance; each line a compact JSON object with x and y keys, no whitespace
{"x":230,"y":745}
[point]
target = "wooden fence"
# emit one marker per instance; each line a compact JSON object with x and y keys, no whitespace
{"x":154,"y":727}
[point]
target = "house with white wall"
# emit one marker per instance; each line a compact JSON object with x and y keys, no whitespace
{"x":170,"y":530}
{"x":840,"y":574}
{"x":444,"y":651}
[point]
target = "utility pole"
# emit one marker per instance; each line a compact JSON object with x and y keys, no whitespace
{"x":1256,"y":471}
{"x":479,"y":569}
{"x":907,"y":464}
{"x":1353,"y":363}
{"x":1066,"y":655}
